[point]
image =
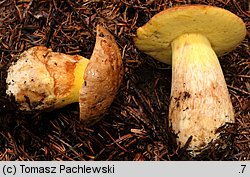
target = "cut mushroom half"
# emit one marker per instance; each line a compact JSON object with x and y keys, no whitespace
{"x":44,"y":80}
{"x":190,"y":38}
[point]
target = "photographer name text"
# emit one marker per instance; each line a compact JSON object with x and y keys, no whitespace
{"x":60,"y":169}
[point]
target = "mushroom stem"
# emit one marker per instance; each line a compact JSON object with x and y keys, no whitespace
{"x":200,"y":101}
{"x":74,"y":93}
{"x":42,"y":79}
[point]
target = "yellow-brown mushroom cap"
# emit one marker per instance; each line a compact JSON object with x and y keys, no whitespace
{"x":102,"y":78}
{"x":222,"y":28}
{"x":45,"y":80}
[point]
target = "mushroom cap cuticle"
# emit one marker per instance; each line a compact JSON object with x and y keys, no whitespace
{"x":223,"y":29}
{"x":42,"y":80}
{"x":190,"y":38}
{"x":105,"y":69}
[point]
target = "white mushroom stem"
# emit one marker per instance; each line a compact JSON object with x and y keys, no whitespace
{"x":200,"y":101}
{"x":42,"y":79}
{"x":45,"y":80}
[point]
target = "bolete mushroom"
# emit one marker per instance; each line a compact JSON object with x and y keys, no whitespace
{"x":44,"y":80}
{"x":189,"y":37}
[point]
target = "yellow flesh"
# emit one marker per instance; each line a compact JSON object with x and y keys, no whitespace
{"x":74,"y":93}
{"x":42,"y":79}
{"x":200,"y":101}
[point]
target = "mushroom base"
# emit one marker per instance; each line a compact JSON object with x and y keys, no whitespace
{"x":200,"y":101}
{"x":44,"y":80}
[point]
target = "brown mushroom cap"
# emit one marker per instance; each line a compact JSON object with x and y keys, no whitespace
{"x":45,"y":80}
{"x":102,"y":78}
{"x":222,"y":28}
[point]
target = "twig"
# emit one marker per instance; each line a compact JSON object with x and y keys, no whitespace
{"x":70,"y":4}
{"x":115,"y":141}
{"x":237,"y":89}
{"x":70,"y":147}
{"x":238,"y":7}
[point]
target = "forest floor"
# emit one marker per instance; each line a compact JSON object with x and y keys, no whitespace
{"x":136,"y":125}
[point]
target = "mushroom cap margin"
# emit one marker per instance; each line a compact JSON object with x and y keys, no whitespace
{"x":223,"y":29}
